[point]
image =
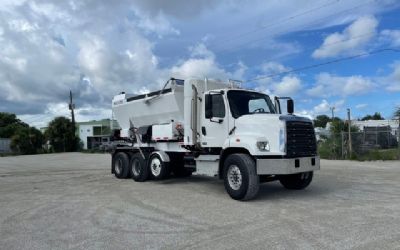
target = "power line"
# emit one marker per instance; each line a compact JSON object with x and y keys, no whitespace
{"x":328,"y":44}
{"x":39,"y":117}
{"x":325,"y":63}
{"x":311,"y":49}
{"x":283,"y":20}
{"x":314,"y":21}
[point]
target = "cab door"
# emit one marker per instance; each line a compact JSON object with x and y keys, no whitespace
{"x":214,"y":121}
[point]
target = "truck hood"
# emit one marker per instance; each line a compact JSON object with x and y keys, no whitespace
{"x":262,"y":127}
{"x":258,"y":124}
{"x":261,"y":123}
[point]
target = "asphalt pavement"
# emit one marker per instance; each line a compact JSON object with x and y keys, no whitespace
{"x":71,"y":201}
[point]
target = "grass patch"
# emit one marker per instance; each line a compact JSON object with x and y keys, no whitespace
{"x":380,"y":154}
{"x":331,"y":150}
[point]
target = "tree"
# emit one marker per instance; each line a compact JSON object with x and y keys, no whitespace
{"x":397,"y":113}
{"x":24,"y":139}
{"x":27,"y":140}
{"x":338,"y":126}
{"x":61,"y":135}
{"x":9,"y":123}
{"x":321,"y":121}
{"x":376,"y":116}
{"x":332,"y":147}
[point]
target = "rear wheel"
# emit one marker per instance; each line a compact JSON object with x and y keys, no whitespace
{"x":240,"y":178}
{"x":139,"y":169}
{"x":158,"y":168}
{"x":121,"y":165}
{"x":296,"y":181}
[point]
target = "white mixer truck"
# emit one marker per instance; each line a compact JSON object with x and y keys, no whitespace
{"x":213,"y":128}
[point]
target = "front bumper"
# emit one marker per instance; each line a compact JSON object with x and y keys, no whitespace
{"x":287,"y":166}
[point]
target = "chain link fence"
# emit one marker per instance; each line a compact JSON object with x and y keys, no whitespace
{"x":375,"y":143}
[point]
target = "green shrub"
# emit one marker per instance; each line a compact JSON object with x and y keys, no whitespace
{"x":382,"y":154}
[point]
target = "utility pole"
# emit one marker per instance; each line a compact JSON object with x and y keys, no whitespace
{"x":349,"y":128}
{"x":332,"y":132}
{"x":72,"y":107}
{"x":332,"y":110}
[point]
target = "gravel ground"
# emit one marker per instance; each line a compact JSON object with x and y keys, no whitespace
{"x":64,"y":201}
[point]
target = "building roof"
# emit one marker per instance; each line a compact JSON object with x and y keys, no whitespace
{"x":104,"y":122}
{"x":376,"y":123}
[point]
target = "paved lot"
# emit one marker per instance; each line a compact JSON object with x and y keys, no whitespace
{"x":62,"y":201}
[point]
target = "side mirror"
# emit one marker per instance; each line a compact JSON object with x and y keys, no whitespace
{"x":208,"y":107}
{"x":290,"y":106}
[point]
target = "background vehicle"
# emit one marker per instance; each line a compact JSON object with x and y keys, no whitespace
{"x":216,"y":129}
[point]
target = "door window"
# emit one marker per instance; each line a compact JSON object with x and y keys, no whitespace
{"x":214,"y":106}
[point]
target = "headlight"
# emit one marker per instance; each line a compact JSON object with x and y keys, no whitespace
{"x":263,"y":145}
{"x":282,"y":140}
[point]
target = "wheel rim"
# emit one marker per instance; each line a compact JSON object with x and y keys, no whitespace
{"x":234,"y":177}
{"x":118,"y":166}
{"x":155,"y":166}
{"x":136,"y":167}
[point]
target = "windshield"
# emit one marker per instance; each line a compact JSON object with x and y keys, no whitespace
{"x":245,"y":103}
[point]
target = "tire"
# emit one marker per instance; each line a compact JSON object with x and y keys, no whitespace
{"x":158,"y":168}
{"x":121,"y":165}
{"x":296,"y":181}
{"x":139,"y":169}
{"x":240,"y":178}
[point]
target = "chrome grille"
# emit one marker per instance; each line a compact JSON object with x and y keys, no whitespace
{"x":300,"y":138}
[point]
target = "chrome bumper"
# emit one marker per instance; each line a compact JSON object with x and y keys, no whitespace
{"x":287,"y":166}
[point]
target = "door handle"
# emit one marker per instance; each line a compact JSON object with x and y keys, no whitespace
{"x":203,"y":130}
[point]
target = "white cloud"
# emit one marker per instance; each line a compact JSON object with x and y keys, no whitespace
{"x":266,"y":69}
{"x":361,"y":106}
{"x":157,"y":23}
{"x":99,"y":48}
{"x":201,"y":51}
{"x":288,"y":86}
{"x":391,"y":36}
{"x":351,"y":40}
{"x":305,"y":113}
{"x":331,"y":85}
{"x":240,"y":71}
{"x":273,"y":68}
{"x":392,"y":81}
{"x":21,"y":25}
{"x":85,"y":113}
{"x":202,"y":64}
{"x":325,"y":107}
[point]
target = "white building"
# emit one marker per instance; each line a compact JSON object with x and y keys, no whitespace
{"x":94,"y":133}
{"x":394,"y":124}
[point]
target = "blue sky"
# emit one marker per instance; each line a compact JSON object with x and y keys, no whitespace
{"x":99,"y":48}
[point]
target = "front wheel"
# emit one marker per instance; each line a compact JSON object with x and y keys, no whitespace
{"x":240,"y":178}
{"x":296,"y":181}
